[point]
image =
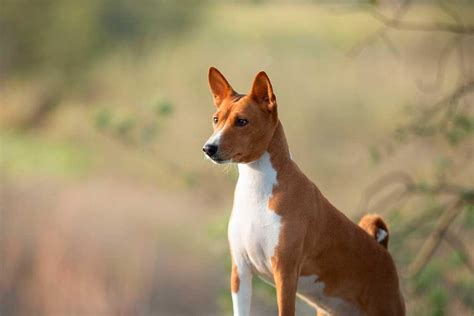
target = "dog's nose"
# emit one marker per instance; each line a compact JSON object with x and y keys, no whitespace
{"x":210,"y":150}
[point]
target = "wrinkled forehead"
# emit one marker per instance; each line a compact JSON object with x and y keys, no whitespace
{"x":239,"y":105}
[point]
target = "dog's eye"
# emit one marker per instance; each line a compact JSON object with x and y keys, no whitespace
{"x":215,"y":119}
{"x":241,"y":122}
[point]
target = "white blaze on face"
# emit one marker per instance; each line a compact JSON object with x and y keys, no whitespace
{"x":215,"y":139}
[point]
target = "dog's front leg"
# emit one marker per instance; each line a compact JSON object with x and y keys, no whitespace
{"x":241,"y":286}
{"x":286,"y":283}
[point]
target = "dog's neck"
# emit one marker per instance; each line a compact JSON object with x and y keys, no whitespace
{"x":275,"y":159}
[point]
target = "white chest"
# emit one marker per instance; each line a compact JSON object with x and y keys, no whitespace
{"x":254,"y":232}
{"x":254,"y":229}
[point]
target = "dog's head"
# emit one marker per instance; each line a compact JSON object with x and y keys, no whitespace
{"x":243,"y":124}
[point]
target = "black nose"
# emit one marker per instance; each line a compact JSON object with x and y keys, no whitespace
{"x":209,"y":149}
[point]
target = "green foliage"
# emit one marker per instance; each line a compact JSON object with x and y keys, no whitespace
{"x":217,"y":229}
{"x":149,"y":132}
{"x":133,"y":128}
{"x":27,"y":154}
{"x":374,"y":155}
{"x":430,"y":276}
{"x":429,"y":283}
{"x":263,"y":291}
{"x":442,"y":164}
{"x":438,"y":300}
{"x":400,"y":135}
{"x":465,"y":291}
{"x":462,"y":127}
{"x":457,"y":258}
{"x":124,"y":127}
{"x":468,"y":196}
{"x":408,"y":226}
{"x":66,"y":36}
{"x":455,"y":129}
{"x":224,"y":301}
{"x":163,"y":108}
{"x":102,"y":119}
{"x":468,"y":221}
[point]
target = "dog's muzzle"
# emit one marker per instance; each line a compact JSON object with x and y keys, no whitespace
{"x":210,"y":150}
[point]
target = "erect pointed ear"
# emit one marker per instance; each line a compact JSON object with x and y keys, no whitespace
{"x":220,"y":88}
{"x":262,"y":91}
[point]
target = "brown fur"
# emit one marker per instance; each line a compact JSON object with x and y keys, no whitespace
{"x":371,"y":223}
{"x":234,"y":279}
{"x":240,"y":144}
{"x":315,"y":237}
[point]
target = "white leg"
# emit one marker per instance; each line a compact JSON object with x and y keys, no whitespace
{"x":242,"y":297}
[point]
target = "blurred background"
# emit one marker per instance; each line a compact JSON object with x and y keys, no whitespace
{"x":107,"y":205}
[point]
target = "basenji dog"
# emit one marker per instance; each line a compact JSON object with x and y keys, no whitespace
{"x":283,"y":229}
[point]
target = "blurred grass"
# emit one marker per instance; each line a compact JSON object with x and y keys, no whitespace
{"x":32,"y":155}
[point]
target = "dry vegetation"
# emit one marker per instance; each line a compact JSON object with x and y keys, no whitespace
{"x":108,"y":207}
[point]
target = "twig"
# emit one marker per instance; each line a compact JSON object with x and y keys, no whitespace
{"x":423,"y":219}
{"x":409,"y":187}
{"x":396,"y":197}
{"x":458,"y":245}
{"x":442,"y":61}
{"x":381,"y":32}
{"x":463,"y":193}
{"x":397,"y":177}
{"x":450,"y":12}
{"x":434,"y":239}
{"x":398,"y":24}
{"x":428,"y":115}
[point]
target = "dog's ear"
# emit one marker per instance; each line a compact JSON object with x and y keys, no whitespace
{"x":220,"y":88}
{"x":262,"y":91}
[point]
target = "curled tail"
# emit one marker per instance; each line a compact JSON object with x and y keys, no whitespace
{"x":375,"y":226}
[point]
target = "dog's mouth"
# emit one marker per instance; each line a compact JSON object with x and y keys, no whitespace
{"x":217,"y":160}
{"x":221,"y":161}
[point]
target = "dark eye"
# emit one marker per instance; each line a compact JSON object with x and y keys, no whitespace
{"x":215,"y":119}
{"x":241,"y":122}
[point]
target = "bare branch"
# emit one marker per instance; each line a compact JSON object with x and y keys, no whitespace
{"x":435,"y":119}
{"x":381,"y":33}
{"x":434,"y":239}
{"x":450,"y":12}
{"x":463,"y":193}
{"x":442,"y":61}
{"x":408,"y":187}
{"x":394,"y":198}
{"x":430,"y":113}
{"x":397,"y":23}
{"x":423,"y":218}
{"x":458,"y":245}
{"x":394,"y":178}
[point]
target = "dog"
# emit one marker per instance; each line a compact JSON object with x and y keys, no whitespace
{"x":283,"y":229}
